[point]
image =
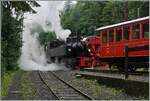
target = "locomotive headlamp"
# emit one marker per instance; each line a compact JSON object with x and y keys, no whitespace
{"x":69,"y":49}
{"x":89,"y":50}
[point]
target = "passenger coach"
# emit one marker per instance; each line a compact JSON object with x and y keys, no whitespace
{"x":133,"y":34}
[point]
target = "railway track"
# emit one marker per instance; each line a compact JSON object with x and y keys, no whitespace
{"x":40,"y":89}
{"x":61,"y":89}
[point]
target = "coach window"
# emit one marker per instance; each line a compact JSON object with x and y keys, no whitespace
{"x":104,"y":36}
{"x":118,"y":34}
{"x":145,"y":28}
{"x":126,"y":32}
{"x":136,"y":31}
{"x":111,"y":35}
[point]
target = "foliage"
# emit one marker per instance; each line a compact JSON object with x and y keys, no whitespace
{"x":11,"y":41}
{"x":84,"y":17}
{"x":12,"y":27}
{"x":143,"y":7}
{"x":45,"y":37}
{"x":112,"y":13}
{"x":98,"y":91}
{"x":27,"y":92}
{"x":6,"y":82}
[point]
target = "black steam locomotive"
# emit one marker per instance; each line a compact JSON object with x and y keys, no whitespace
{"x":67,"y":52}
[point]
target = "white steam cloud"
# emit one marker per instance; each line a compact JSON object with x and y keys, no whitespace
{"x":55,"y":7}
{"x":33,"y":56}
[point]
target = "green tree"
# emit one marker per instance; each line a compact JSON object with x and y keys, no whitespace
{"x":12,"y":27}
{"x":138,"y":9}
{"x":113,"y":13}
{"x":84,"y":17}
{"x":45,"y":37}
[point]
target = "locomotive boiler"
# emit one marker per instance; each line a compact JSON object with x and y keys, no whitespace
{"x":67,"y":52}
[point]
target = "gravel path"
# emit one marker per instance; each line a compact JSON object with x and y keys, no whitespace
{"x":14,"y":90}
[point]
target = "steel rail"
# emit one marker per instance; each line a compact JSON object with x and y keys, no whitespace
{"x":37,"y":90}
{"x":48,"y":86}
{"x":85,"y":95}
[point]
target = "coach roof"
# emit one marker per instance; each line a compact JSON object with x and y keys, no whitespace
{"x":122,"y":23}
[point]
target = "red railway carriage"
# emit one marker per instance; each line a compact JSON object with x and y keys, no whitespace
{"x":110,"y":45}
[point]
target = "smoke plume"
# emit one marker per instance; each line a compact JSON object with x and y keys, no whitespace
{"x":33,"y":56}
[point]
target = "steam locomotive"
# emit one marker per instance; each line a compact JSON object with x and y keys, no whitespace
{"x":67,"y":52}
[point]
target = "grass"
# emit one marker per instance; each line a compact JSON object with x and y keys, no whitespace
{"x":103,"y":91}
{"x":100,"y":92}
{"x":141,"y":98}
{"x":6,"y":82}
{"x":26,"y":85}
{"x":27,"y":92}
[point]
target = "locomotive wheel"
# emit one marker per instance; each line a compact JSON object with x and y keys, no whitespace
{"x":132,"y":69}
{"x":52,"y":59}
{"x":120,"y":67}
{"x":69,"y":66}
{"x":66,"y":64}
{"x":59,"y":59}
{"x":56,"y":60}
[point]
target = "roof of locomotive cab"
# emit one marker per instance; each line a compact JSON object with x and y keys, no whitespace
{"x":89,"y":37}
{"x":122,"y":23}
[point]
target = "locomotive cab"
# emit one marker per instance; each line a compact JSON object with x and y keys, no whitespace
{"x":75,"y":47}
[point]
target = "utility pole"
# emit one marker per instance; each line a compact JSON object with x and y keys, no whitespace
{"x":125,"y":10}
{"x":138,"y":12}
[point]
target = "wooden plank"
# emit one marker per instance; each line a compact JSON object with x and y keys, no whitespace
{"x":126,"y":62}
